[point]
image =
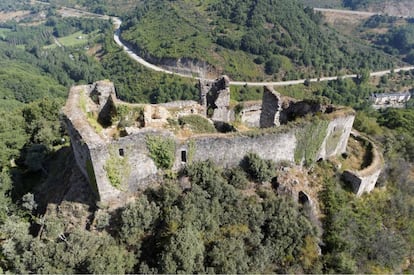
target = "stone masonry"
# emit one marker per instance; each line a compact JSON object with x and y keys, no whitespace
{"x":93,"y":149}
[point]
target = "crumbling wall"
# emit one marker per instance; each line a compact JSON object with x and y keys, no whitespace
{"x":101,"y":91}
{"x":94,"y":152}
{"x":292,"y":109}
{"x":271,"y":107}
{"x":364,"y":180}
{"x":139,"y":169}
{"x":84,"y":139}
{"x":250,"y":113}
{"x":215,"y":98}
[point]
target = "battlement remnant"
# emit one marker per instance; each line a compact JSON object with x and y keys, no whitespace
{"x":116,"y":152}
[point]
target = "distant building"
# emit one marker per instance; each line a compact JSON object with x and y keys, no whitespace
{"x":390,"y":99}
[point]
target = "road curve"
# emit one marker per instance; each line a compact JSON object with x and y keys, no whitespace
{"x":117,"y":23}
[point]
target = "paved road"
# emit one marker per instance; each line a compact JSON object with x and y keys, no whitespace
{"x":117,"y":24}
{"x":347,"y":12}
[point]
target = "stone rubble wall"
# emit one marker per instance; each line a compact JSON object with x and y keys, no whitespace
{"x":271,"y":107}
{"x":250,"y":114}
{"x":227,"y":150}
{"x":364,"y":181}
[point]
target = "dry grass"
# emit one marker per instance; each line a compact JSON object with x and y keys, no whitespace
{"x":344,"y":22}
{"x":13,"y":15}
{"x":356,"y":152}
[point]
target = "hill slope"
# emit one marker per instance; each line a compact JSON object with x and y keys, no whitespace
{"x":246,"y":39}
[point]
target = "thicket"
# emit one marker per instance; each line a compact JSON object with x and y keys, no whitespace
{"x":11,"y":5}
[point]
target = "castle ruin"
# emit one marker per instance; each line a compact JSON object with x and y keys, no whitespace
{"x":117,"y":159}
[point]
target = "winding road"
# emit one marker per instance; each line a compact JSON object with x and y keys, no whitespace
{"x":117,"y":24}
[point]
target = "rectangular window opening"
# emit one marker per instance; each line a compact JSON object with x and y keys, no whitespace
{"x":121,"y":152}
{"x":183,"y":156}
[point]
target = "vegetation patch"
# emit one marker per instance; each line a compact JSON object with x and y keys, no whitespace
{"x":191,"y":150}
{"x":258,"y":169}
{"x":161,"y":150}
{"x":197,"y":124}
{"x":91,"y":117}
{"x":117,"y":168}
{"x":333,"y":139}
{"x":309,"y":141}
{"x":3,"y":33}
{"x":130,"y":116}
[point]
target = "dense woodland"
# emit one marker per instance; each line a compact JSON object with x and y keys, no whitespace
{"x":219,"y":225}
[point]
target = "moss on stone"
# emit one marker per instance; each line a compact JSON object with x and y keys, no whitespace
{"x":309,"y":141}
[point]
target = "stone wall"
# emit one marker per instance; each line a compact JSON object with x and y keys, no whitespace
{"x":364,"y":181}
{"x":95,"y":151}
{"x":229,"y":151}
{"x":215,"y":99}
{"x":250,"y":113}
{"x":337,"y":135}
{"x":271,"y":107}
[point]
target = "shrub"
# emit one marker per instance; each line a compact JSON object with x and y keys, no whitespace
{"x":237,"y":178}
{"x":258,"y":169}
{"x":161,"y":150}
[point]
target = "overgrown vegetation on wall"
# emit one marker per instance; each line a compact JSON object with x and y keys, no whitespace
{"x":197,"y":124}
{"x":117,"y":169}
{"x":309,"y":141}
{"x":129,"y":116}
{"x":161,"y":150}
{"x":333,"y":139}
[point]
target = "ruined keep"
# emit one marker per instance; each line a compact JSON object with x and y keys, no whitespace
{"x":119,"y":160}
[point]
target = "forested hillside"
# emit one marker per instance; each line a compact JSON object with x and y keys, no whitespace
{"x":278,"y":39}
